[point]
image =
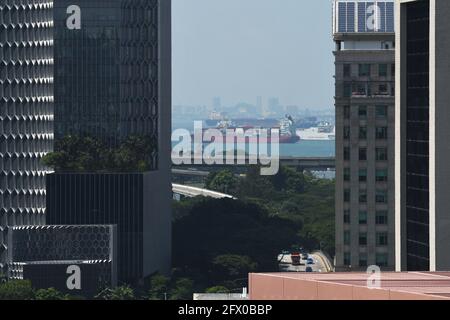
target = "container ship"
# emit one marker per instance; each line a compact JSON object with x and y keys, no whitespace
{"x":286,"y":127}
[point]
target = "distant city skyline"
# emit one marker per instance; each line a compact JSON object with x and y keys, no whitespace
{"x":241,"y":49}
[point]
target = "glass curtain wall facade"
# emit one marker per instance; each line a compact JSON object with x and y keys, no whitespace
{"x":417,"y":136}
{"x":106,"y":73}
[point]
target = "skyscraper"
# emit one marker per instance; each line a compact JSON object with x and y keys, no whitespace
{"x":364,"y":100}
{"x":113,"y":88}
{"x":26,"y":112}
{"x":422,"y":122}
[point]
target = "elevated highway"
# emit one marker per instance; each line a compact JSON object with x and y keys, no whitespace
{"x":191,"y":192}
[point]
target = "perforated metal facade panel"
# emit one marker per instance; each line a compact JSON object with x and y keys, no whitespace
{"x":26,"y":111}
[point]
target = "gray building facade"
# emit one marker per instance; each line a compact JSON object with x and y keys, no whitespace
{"x":365,"y":134}
{"x":113,"y":83}
{"x":26,"y":112}
{"x":106,"y":65}
{"x":131,"y":201}
{"x":423,"y":154}
{"x":49,"y":256}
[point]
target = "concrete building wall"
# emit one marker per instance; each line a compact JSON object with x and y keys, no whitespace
{"x":440,"y":73}
{"x":354,"y":121}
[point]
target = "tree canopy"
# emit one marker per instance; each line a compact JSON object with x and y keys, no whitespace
{"x":87,"y":154}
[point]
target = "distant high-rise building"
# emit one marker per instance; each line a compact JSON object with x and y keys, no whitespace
{"x":26,"y":112}
{"x":217,"y":103}
{"x":292,"y":110}
{"x":365,"y":70}
{"x":422,"y":136}
{"x":259,"y":105}
{"x":273,"y":107}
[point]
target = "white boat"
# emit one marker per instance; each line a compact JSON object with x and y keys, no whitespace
{"x":318,"y":133}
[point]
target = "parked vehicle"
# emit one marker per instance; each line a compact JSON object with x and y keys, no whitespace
{"x":295,"y":257}
{"x":310,"y":261}
{"x":309,"y":269}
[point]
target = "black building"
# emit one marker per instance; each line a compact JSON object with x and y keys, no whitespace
{"x":126,"y":200}
{"x":422,"y":132}
{"x":113,"y":83}
{"x":417,"y":135}
{"x":107,"y":75}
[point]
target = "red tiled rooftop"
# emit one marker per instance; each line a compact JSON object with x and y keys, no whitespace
{"x":393,"y":285}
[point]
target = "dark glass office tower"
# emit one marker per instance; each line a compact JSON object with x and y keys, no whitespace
{"x":107,"y":74}
{"x":417,"y":136}
{"x":113,"y":84}
{"x":26,"y":111}
{"x":422,"y":136}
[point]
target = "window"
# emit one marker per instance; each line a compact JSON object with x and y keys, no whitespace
{"x":362,"y":112}
{"x":347,"y":90}
{"x":362,"y":175}
{"x":346,"y":133}
{"x":362,"y":196}
{"x":346,"y":154}
{"x":362,"y":154}
{"x":381,"y":133}
{"x":347,"y":238}
{"x":392,"y":70}
{"x":381,"y":259}
{"x":347,"y":70}
{"x":382,"y":239}
{"x":383,"y":89}
{"x":382,"y":70}
{"x":347,"y":195}
{"x":381,"y":112}
{"x":364,"y":70}
{"x":347,"y":217}
{"x":381,"y":175}
{"x":362,"y":133}
{"x":362,"y":218}
{"x":381,"y":154}
{"x":363,"y":239}
{"x":381,"y":196}
{"x":346,"y":174}
{"x":346,"y":112}
{"x":360,"y":89}
{"x":363,"y":260}
{"x":381,"y":217}
{"x":347,"y":258}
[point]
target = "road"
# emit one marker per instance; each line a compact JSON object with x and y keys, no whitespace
{"x":320,"y":264}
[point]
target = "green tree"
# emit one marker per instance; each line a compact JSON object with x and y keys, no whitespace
{"x":233,"y":266}
{"x":134,"y":154}
{"x":159,"y":287}
{"x":223,"y":181}
{"x":16,"y":290}
{"x":75,"y":153}
{"x":50,"y":294}
{"x":87,"y":154}
{"x":218,"y":289}
{"x":118,"y":293}
{"x":230,"y":227}
{"x":183,"y":289}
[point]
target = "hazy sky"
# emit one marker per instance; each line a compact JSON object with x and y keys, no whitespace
{"x":239,"y":49}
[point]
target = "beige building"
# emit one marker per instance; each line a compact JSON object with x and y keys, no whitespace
{"x":365,"y":135}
